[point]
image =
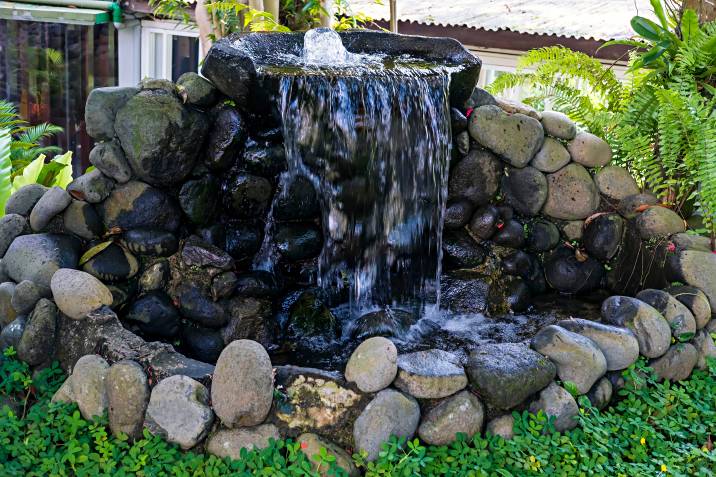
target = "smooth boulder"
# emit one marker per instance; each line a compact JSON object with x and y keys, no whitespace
{"x":127,"y":398}
{"x":430,"y":374}
{"x":652,"y":331}
{"x":229,"y":442}
{"x":681,"y":321}
{"x":373,"y":364}
{"x":37,"y":257}
{"x":462,"y":413}
{"x":556,"y":402}
{"x":618,"y":345}
{"x":571,"y":194}
{"x":589,"y":150}
{"x":78,"y":293}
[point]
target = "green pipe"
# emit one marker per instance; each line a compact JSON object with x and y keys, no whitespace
{"x":112,"y":7}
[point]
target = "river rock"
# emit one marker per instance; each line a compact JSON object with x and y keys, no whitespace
{"x":196,"y":90}
{"x":556,"y":402}
{"x":81,"y":219}
{"x":112,"y":264}
{"x":704,"y":344}
{"x":161,"y":138}
{"x":615,"y":183}
{"x":12,"y":332}
{"x":525,"y":189}
{"x":11,"y":227}
{"x":248,"y":195}
{"x":510,"y":233}
{"x":150,"y":242}
{"x":127,"y":398}
{"x":695,"y":300}
{"x":92,"y":187}
{"x":603,"y":235}
{"x":681,"y":321}
{"x":558,"y":125}
{"x":390,"y":413}
{"x":250,"y":318}
{"x":309,"y":316}
{"x":589,"y":150}
{"x":37,"y":257}
{"x":23,"y":200}
{"x":479,"y":97}
{"x":461,"y":251}
{"x":618,"y":345}
{"x":687,"y":241}
{"x":501,"y":426}
{"x":505,"y":374}
{"x":464,"y":294}
{"x":658,"y":221}
{"x":457,"y":214}
{"x":373,"y":364}
{"x":697,"y":269}
{"x":573,"y":229}
{"x":52,"y":202}
{"x":484,"y":222}
{"x":138,"y":205}
{"x":312,"y":445}
{"x":297,"y":202}
{"x":242,"y":240}
{"x":264,"y":159}
{"x":7,"y":311}
{"x":632,"y":205}
{"x":430,"y":374}
{"x":297,"y":242}
{"x":198,"y":199}
{"x":108,"y":157}
{"x":242,"y":388}
{"x":87,"y":385}
{"x":154,"y":277}
{"x":196,"y":253}
{"x":652,"y":331}
{"x":101,"y":109}
{"x":551,"y":157}
{"x":567,"y":274}
{"x":601,"y":393}
{"x":514,"y":137}
{"x":229,"y":442}
{"x":461,"y":413}
{"x":572,"y":194}
{"x":199,"y":307}
{"x":226,"y":138}
{"x":78,"y":293}
{"x":38,"y":338}
{"x":155,"y":315}
{"x":475,"y":178}
{"x":258,"y":283}
{"x":25,"y":296}
{"x":462,"y":143}
{"x":223,"y":285}
{"x":542,"y":236}
{"x":677,"y":363}
{"x":204,"y":344}
{"x":179,"y":411}
{"x":515,"y":107}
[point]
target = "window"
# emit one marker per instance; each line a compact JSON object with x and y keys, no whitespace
{"x":168,"y":50}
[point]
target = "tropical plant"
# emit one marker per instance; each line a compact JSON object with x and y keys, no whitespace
{"x":661,"y":121}
{"x":26,"y":140}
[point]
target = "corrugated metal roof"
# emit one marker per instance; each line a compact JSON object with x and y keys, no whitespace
{"x":595,"y":19}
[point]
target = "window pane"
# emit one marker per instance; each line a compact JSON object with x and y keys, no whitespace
{"x":185,"y":55}
{"x":156,"y":66}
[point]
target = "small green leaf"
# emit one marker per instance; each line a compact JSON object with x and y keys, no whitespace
{"x":647,"y":29}
{"x":689,"y":25}
{"x":87,"y":256}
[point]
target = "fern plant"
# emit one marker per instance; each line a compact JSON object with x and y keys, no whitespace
{"x":661,"y":121}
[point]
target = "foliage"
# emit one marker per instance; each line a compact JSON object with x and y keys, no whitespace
{"x":661,"y":122}
{"x":655,"y":429}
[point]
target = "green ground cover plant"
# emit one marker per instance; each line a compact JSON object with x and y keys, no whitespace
{"x":655,"y":429}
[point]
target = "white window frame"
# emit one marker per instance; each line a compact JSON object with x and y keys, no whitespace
{"x":163,"y":30}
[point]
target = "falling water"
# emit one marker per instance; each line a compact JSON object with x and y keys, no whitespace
{"x":375,"y":142}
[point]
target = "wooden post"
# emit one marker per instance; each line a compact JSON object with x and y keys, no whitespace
{"x":394,"y":16}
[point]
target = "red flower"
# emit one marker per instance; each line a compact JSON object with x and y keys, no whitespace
{"x":469,"y":112}
{"x":500,"y":225}
{"x":671,"y":247}
{"x":304,"y":445}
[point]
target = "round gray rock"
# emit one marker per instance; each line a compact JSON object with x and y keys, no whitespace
{"x":50,"y":204}
{"x":551,"y":157}
{"x":430,"y":374}
{"x":652,"y":331}
{"x":525,"y":190}
{"x":179,"y":411}
{"x":198,"y":90}
{"x":109,"y":158}
{"x":38,"y":339}
{"x":92,"y":187}
{"x":589,"y":150}
{"x":502,"y":426}
{"x":558,"y":125}
{"x":87,"y":385}
{"x":572,"y":194}
{"x":461,"y":413}
{"x":101,"y":109}
{"x":695,"y":300}
{"x":229,"y":442}
{"x":11,"y":227}
{"x":555,"y":401}
{"x":601,"y":393}
{"x":677,"y":363}
{"x":659,"y":221}
{"x":12,"y":332}
{"x":373,"y":364}
{"x":704,"y":344}
{"x":137,"y":205}
{"x":573,"y":230}
{"x":7,"y":311}
{"x":697,"y":269}
{"x":631,"y":205}
{"x":24,"y":199}
{"x":618,"y":345}
{"x":127,"y":398}
{"x":615,"y":182}
{"x":390,"y":413}
{"x":681,"y":321}
{"x":81,"y":219}
{"x":476,"y":178}
{"x":78,"y":293}
{"x":242,"y":387}
{"x":25,"y":297}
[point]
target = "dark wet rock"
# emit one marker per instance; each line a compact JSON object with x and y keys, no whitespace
{"x":299,"y":202}
{"x":81,"y":219}
{"x":196,"y":306}
{"x":551,"y":157}
{"x":37,"y":257}
{"x":457,"y":214}
{"x":242,"y":240}
{"x":24,"y":199}
{"x":137,"y":205}
{"x":390,"y":413}
{"x":615,"y":183}
{"x":542,"y":236}
{"x":461,"y":251}
{"x":12,"y":332}
{"x":52,"y":202}
{"x":565,"y":273}
{"x":462,"y":413}
{"x":458,"y":121}
{"x":516,"y":295}
{"x":589,"y":150}
{"x":109,"y":158}
{"x":38,"y":339}
{"x":143,"y":241}
{"x":388,"y":322}
{"x":11,"y":227}
{"x":572,"y":194}
{"x":430,"y":374}
{"x":479,"y":97}
{"x":127,"y":398}
{"x":525,"y":189}
{"x":603,"y":236}
{"x":198,"y":91}
{"x":101,"y":109}
{"x":161,"y":138}
{"x":154,"y":277}
{"x":226,"y":138}
{"x":250,"y":318}
{"x":196,"y":253}
{"x":93,"y":187}
{"x":122,"y":293}
{"x":7,"y":311}
{"x":160,"y":84}
{"x":601,"y":393}
{"x":658,"y":221}
{"x":248,"y":195}
{"x":677,"y":363}
{"x":630,"y":206}
{"x":697,"y":269}
{"x":464,"y":294}
{"x":77,"y":293}
{"x":510,"y":234}
{"x":475,"y":178}
{"x":204,"y":344}
{"x":373,"y":364}
{"x":155,"y":315}
{"x":298,"y":241}
{"x":309,"y":316}
{"x":112,"y":264}
{"x":199,"y":199}
{"x":652,"y":331}
{"x":228,"y":443}
{"x":258,"y":283}
{"x":462,"y":143}
{"x":556,"y":402}
{"x":25,"y":296}
{"x":514,"y":137}
{"x":215,"y":234}
{"x":484,"y":222}
{"x":618,"y":345}
{"x":578,"y":359}
{"x":681,"y":321}
{"x":516,"y":263}
{"x":695,"y":300}
{"x":223,"y":285}
{"x":558,"y":125}
{"x":506,"y":374}
{"x":265,"y":160}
